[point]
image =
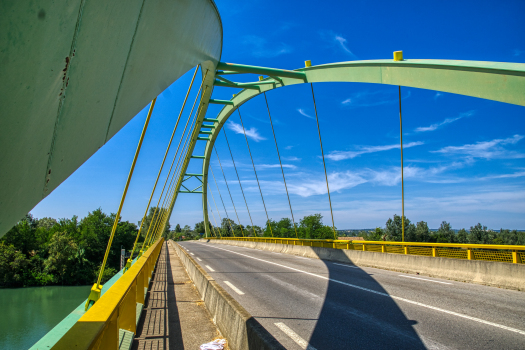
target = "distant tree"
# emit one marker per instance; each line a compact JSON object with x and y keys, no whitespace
{"x":422,"y":233}
{"x":393,"y":228}
{"x":462,"y":236}
{"x":477,"y":234}
{"x":62,"y":252}
{"x":13,"y":265}
{"x":177,"y":228}
{"x":445,"y":234}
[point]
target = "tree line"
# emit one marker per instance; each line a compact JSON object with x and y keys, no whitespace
{"x":40,"y":252}
{"x":419,"y":232}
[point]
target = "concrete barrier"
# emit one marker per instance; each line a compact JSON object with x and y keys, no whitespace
{"x":235,"y":323}
{"x":496,"y":274}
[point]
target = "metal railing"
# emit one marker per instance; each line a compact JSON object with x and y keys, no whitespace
{"x":116,"y":310}
{"x":488,"y":252}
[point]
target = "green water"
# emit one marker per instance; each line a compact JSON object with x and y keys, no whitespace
{"x":27,"y":314}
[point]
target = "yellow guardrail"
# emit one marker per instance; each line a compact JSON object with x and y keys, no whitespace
{"x":99,"y":327}
{"x":489,"y":252}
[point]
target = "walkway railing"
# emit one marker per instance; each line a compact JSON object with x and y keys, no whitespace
{"x":116,"y":310}
{"x":488,"y":252}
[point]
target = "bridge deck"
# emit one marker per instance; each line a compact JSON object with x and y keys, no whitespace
{"x":174,"y":316}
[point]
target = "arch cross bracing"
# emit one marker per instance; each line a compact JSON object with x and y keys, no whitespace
{"x":497,"y":81}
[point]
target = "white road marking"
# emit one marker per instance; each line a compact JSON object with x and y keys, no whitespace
{"x":386,"y":295}
{"x":199,"y":259}
{"x":237,"y":290}
{"x":192,"y":254}
{"x":209,"y":268}
{"x":423,"y":279}
{"x":354,"y":267}
{"x":295,"y":337}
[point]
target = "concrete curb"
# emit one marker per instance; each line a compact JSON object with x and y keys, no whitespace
{"x":235,"y":323}
{"x":495,"y":274}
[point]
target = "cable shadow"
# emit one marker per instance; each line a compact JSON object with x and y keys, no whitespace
{"x":353,"y":318}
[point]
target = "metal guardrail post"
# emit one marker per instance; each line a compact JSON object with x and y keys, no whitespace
{"x":469,"y":254}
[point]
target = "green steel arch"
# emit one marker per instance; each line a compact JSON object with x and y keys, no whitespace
{"x":497,"y":81}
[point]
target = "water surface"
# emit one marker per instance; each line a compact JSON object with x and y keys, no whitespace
{"x":27,"y":314}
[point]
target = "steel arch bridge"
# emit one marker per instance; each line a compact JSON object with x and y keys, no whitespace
{"x":497,"y":81}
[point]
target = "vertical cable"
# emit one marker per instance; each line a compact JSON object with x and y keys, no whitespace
{"x":218,"y":212}
{"x":220,"y":195}
{"x":282,"y":171}
{"x":402,"y":179}
{"x":123,"y":198}
{"x":324,"y":164}
{"x":160,"y":170}
{"x":240,"y":225}
{"x":255,"y":172}
{"x":238,"y":179}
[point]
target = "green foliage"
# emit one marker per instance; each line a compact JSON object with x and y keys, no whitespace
{"x":69,"y":252}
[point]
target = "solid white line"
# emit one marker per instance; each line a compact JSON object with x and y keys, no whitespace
{"x":199,"y":259}
{"x":386,"y":295}
{"x":295,"y":337}
{"x":354,"y":267}
{"x":237,"y":290}
{"x":192,"y":254}
{"x":209,"y":268}
{"x":423,"y":279}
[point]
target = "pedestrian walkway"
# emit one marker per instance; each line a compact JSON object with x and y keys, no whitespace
{"x":174,"y":315}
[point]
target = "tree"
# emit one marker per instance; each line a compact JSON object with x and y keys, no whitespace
{"x":177,"y":228}
{"x":393,"y":228}
{"x":477,"y":234}
{"x":445,"y":234}
{"x":62,"y":252}
{"x":13,"y":265}
{"x":462,"y":236}
{"x":422,"y":233}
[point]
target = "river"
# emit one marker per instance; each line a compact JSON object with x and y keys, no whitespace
{"x":29,"y":313}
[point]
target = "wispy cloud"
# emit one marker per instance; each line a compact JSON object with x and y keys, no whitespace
{"x":342,"y":42}
{"x":251,"y":132}
{"x":371,"y":99}
{"x":302,"y":112}
{"x":292,"y":159}
{"x":437,"y":95}
{"x":269,"y":166}
{"x":444,"y":122}
{"x":486,"y":149}
{"x":517,"y":52}
{"x":288,"y":147}
{"x":341,"y":155}
{"x":259,"y":47}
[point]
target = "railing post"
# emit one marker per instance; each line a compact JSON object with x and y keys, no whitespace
{"x":383,"y":248}
{"x":128,"y":309}
{"x":469,"y":254}
{"x":364,"y":247}
{"x":434,"y":252}
{"x":515,"y":257}
{"x":406,"y":249}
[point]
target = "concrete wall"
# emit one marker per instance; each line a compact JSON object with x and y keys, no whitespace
{"x":234,"y":322}
{"x":496,"y":274}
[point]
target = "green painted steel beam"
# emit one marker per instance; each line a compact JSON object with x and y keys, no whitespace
{"x":207,"y":126}
{"x":221,"y":102}
{"x":205,"y":132}
{"x":192,"y":174}
{"x":203,"y":138}
{"x":241,"y":68}
{"x":190,"y":192}
{"x":211,"y":120}
{"x":198,"y":157}
{"x":236,"y":85}
{"x":503,"y":82}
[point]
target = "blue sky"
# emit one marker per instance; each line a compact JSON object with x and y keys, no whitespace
{"x":464,"y":157}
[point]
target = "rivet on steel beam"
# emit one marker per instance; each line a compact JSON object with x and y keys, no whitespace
{"x":308,"y":63}
{"x":398,"y":55}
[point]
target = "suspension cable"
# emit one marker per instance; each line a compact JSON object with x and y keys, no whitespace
{"x":402,"y":179}
{"x":281,"y":164}
{"x":161,"y":167}
{"x":117,"y":217}
{"x":238,"y":179}
{"x":224,"y":206}
{"x":324,"y":164}
{"x":218,"y":212}
{"x":228,"y":187}
{"x":255,"y":172}
{"x":173,"y":161}
{"x":215,"y":221}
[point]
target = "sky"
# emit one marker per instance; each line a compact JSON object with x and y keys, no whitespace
{"x":464,"y":158}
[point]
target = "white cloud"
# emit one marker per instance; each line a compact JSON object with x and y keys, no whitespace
{"x":437,"y":95}
{"x":486,"y":149}
{"x":444,"y":122}
{"x":259,"y":47}
{"x":341,"y":155}
{"x":372,"y":99}
{"x":251,"y":133}
{"x":342,"y":42}
{"x":288,"y":147}
{"x":292,"y":159}
{"x":269,"y":166}
{"x":302,"y":112}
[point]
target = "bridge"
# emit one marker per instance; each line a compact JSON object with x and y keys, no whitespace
{"x":269,"y":292}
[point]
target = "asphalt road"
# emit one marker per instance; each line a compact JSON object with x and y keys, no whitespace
{"x":314,"y":304}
